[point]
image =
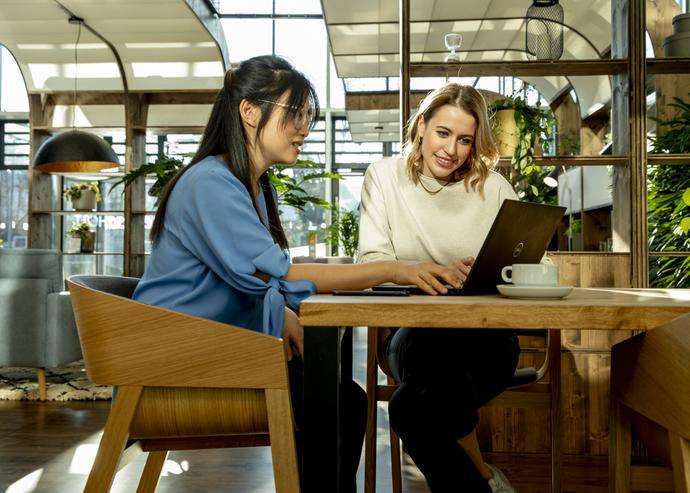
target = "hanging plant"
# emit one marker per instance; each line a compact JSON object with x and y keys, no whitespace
{"x":534,"y":126}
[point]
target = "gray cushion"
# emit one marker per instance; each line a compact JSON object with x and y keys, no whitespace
{"x":61,"y":345}
{"x":23,"y":321}
{"x":32,"y":264}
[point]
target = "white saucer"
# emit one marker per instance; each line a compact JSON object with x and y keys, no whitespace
{"x":513,"y":291}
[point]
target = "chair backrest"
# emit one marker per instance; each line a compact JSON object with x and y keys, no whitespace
{"x":650,"y":374}
{"x":118,"y":286}
{"x":32,"y":264}
{"x":130,"y":343}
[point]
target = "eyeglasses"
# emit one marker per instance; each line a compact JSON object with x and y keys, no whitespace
{"x":301,"y":118}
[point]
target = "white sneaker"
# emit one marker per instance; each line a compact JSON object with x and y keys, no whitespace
{"x":499,"y":483}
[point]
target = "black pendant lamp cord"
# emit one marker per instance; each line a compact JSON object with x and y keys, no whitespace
{"x":78,"y":21}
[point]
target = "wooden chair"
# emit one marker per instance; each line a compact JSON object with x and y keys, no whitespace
{"x":650,"y":376}
{"x":526,"y":391}
{"x":182,"y":383}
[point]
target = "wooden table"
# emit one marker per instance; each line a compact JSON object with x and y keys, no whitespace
{"x":328,"y":350}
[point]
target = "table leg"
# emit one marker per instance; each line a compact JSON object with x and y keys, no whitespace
{"x":327,"y":362}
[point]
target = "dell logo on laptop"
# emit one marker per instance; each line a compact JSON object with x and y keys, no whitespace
{"x":518,"y":249}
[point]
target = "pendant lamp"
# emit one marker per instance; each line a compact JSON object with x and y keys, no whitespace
{"x":75,"y":151}
{"x":544,"y":30}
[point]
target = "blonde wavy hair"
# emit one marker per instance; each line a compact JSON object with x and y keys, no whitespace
{"x":484,"y":153}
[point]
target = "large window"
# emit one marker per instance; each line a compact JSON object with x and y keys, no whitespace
{"x":14,"y":184}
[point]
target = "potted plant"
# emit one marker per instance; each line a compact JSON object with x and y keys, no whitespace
{"x":531,"y":134}
{"x":345,"y":231}
{"x":87,"y":238}
{"x":84,"y":195}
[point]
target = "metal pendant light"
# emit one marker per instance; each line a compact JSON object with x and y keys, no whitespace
{"x":75,"y":151}
{"x":544,"y":30}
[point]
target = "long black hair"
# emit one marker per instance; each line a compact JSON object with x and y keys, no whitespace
{"x":260,"y":78}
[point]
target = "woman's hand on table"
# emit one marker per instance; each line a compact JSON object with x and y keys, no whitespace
{"x":293,"y":334}
{"x":464,"y":265}
{"x":428,"y":276}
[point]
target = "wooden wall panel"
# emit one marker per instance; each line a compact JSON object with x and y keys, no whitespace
{"x":585,"y":370}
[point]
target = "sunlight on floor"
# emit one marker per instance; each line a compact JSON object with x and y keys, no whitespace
{"x":27,"y":484}
{"x":175,"y":468}
{"x":83,"y":458}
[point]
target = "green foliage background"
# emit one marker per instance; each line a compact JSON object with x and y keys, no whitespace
{"x":668,"y":202}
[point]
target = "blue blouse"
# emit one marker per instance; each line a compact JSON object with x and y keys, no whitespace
{"x":211,"y":245}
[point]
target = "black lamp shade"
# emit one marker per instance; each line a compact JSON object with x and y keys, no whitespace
{"x":69,"y":148}
{"x":544,"y":30}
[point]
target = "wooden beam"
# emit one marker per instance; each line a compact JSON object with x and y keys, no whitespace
{"x":136,"y":113}
{"x":668,"y":159}
{"x":656,"y":66}
{"x":40,"y":184}
{"x":404,"y":49}
{"x":520,"y":68}
{"x":638,"y":144}
{"x":87,"y":98}
{"x":620,"y":128}
{"x":380,"y":100}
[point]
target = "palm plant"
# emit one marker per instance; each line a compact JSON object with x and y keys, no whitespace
{"x":287,"y":180}
{"x":668,"y":201}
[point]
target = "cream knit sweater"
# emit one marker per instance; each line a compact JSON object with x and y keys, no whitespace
{"x":400,"y":220}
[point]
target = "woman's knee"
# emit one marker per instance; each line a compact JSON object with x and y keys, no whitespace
{"x":417,"y":409}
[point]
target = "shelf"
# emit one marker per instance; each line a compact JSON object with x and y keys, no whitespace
{"x":669,"y":254}
{"x":669,"y":159}
{"x":658,"y":66}
{"x":115,"y":254}
{"x":570,"y":161}
{"x":87,"y":176}
{"x":521,"y":68}
{"x":81,"y":213}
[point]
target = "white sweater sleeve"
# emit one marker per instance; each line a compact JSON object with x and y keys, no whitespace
{"x":374,"y":227}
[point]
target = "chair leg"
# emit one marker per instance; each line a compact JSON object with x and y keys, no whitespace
{"x":114,"y":439}
{"x":556,"y":408}
{"x":396,"y":456}
{"x":283,"y":448}
{"x":372,"y":412}
{"x":620,"y":448}
{"x":680,"y":461}
{"x":42,"y":387}
{"x":396,"y":459}
{"x":152,"y":471}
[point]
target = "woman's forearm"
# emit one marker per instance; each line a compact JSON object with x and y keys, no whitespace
{"x":328,"y":277}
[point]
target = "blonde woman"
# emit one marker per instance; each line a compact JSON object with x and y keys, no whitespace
{"x":437,"y":203}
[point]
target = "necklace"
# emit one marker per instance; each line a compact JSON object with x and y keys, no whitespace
{"x":431,"y":192}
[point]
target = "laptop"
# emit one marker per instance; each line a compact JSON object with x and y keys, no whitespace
{"x":520,"y":234}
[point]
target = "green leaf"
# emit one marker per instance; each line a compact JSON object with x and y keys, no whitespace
{"x":686,"y":197}
{"x":685,"y":224}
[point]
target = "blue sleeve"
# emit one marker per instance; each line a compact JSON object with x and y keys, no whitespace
{"x":217,"y":222}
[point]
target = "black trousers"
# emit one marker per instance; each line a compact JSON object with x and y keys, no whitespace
{"x":444,"y":377}
{"x":353,"y":422}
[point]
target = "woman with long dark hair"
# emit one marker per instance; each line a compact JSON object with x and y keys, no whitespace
{"x":219,"y":249}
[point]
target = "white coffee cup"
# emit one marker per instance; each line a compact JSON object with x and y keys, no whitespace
{"x":531,"y":274}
